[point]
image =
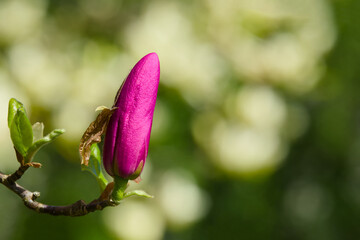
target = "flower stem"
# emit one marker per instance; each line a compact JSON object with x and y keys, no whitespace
{"x":119,"y":188}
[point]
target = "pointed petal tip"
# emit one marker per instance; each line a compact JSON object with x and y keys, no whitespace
{"x":150,"y":62}
{"x":152,"y":54}
{"x":151,"y":57}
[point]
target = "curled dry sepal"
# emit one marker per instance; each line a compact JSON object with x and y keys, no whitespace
{"x":127,"y":128}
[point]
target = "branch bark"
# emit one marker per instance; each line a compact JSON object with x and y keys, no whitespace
{"x":79,"y":208}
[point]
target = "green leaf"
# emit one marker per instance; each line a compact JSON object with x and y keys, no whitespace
{"x":140,"y":193}
{"x":94,"y":166}
{"x":14,"y":105}
{"x":120,"y":186}
{"x":21,"y":131}
{"x":38,"y":131}
{"x":42,"y":142}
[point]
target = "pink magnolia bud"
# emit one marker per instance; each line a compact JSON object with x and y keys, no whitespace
{"x":128,"y":132}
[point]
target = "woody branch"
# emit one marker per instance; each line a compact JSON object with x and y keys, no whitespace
{"x":78,"y":208}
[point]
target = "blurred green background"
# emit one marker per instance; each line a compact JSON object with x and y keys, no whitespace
{"x":256,"y":130}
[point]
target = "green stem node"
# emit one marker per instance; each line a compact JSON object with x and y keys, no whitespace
{"x":119,"y":189}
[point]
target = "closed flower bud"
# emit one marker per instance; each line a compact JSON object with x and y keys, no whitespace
{"x":128,"y":132}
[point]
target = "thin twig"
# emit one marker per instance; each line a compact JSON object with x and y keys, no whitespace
{"x":78,"y":208}
{"x":18,"y":174}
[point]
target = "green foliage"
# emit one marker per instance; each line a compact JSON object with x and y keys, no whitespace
{"x":38,"y":131}
{"x":139,"y":193}
{"x":14,"y":105}
{"x":94,"y":166}
{"x":27,"y":139}
{"x":20,"y":128}
{"x":42,"y":142}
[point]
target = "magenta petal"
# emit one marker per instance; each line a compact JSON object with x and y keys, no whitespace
{"x":128,"y":134}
